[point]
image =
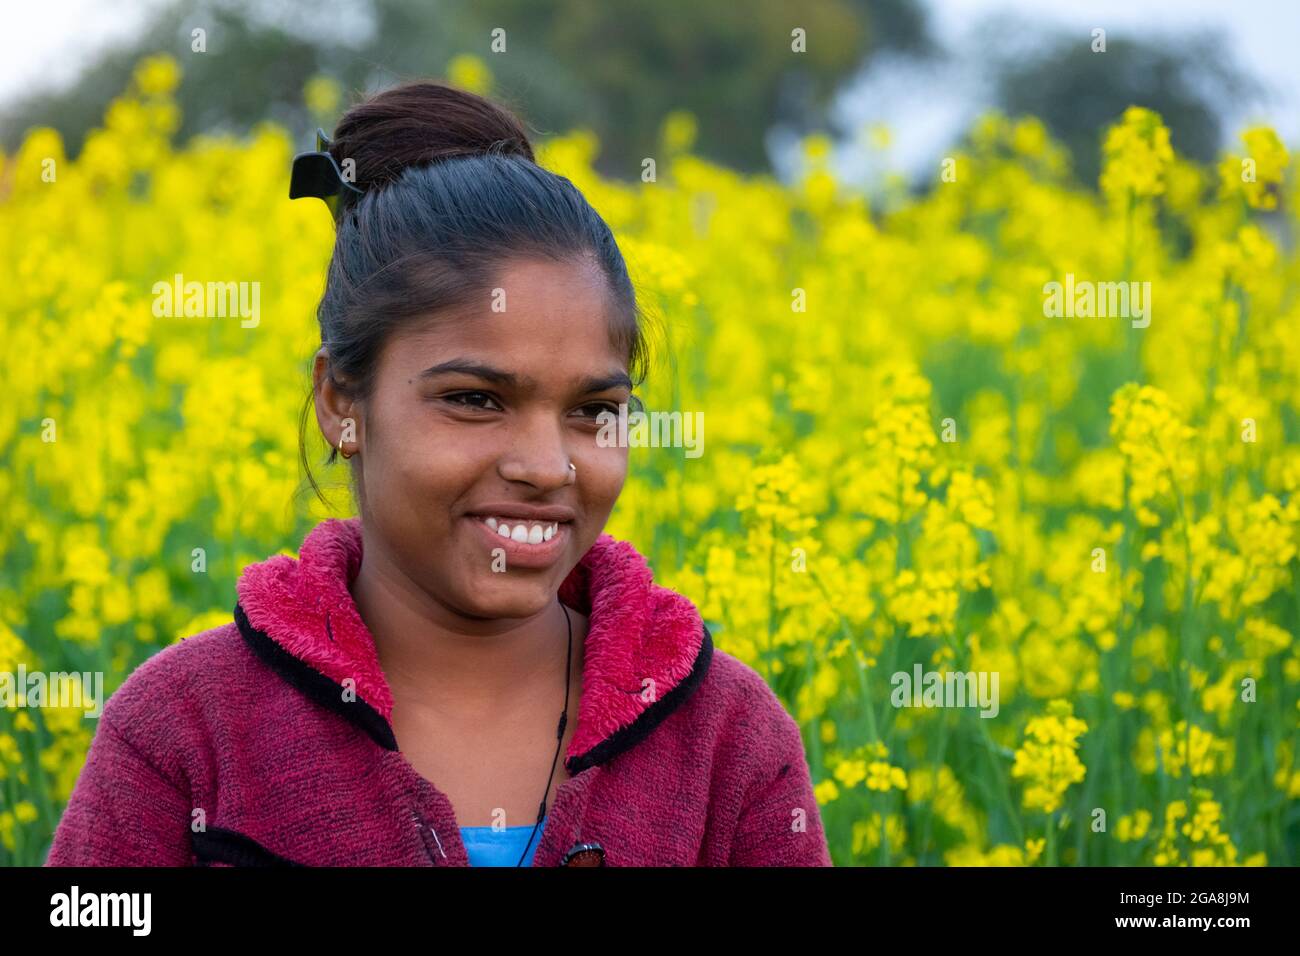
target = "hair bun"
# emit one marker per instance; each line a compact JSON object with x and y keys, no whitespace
{"x":423,"y":122}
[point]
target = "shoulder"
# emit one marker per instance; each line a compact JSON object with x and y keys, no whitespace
{"x":164,"y":704}
{"x":741,"y":688}
{"x":183,"y":669}
{"x":752,"y":751}
{"x":747,"y":716}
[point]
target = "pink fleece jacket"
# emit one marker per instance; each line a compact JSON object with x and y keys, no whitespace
{"x":267,"y":741}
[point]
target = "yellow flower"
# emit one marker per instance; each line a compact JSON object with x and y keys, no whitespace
{"x":826,"y":791}
{"x":1148,"y":430}
{"x":1133,"y":826}
{"x":322,"y":95}
{"x":1209,"y":754}
{"x":471,"y":73}
{"x":883,"y":776}
{"x":679,"y":130}
{"x":1198,"y":839}
{"x":850,"y":772}
{"x":1137,"y":153}
{"x":157,"y":75}
{"x":817,"y":147}
{"x":1048,"y":759}
{"x":1257,"y":175}
{"x":867,"y":833}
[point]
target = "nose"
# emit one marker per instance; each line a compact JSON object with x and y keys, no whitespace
{"x":537,"y":457}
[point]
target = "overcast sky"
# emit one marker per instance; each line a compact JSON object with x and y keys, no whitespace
{"x":45,"y":42}
{"x":925,"y":112}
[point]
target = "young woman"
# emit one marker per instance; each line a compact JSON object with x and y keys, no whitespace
{"x":400,"y":694}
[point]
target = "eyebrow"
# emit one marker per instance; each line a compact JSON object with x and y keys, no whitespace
{"x":596,"y":383}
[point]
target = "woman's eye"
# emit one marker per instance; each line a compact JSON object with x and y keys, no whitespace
{"x":593,"y":410}
{"x":470,"y":399}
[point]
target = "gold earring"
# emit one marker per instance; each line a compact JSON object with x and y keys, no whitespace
{"x":342,"y":452}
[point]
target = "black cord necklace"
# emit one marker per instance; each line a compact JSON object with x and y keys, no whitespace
{"x":559,"y":735}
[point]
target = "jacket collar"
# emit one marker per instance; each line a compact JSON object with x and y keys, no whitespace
{"x":298,"y":615}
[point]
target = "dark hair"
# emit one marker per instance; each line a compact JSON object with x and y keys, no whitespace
{"x":450,"y":189}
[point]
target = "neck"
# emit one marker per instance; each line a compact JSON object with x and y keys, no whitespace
{"x":471,"y":668}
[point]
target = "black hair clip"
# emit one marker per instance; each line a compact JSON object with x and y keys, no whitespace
{"x":318,"y":174}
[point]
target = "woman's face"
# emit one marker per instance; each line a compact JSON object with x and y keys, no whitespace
{"x":468,"y":435}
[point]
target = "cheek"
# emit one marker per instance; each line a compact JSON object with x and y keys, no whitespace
{"x":418,"y":460}
{"x":604,"y":477}
{"x":434,"y":473}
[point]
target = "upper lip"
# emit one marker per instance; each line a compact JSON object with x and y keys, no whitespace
{"x":526,"y":512}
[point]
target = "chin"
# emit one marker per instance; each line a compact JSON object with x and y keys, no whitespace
{"x":498,"y":599}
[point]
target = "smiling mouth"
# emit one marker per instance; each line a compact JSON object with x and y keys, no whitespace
{"x":521,"y":531}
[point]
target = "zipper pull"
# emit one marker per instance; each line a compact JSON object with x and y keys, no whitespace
{"x":420,"y":827}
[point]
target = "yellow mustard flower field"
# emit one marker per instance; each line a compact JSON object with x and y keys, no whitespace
{"x":929,"y":450}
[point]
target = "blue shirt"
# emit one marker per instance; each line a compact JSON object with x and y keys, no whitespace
{"x":489,"y":847}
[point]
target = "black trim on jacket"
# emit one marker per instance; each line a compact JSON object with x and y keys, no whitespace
{"x":651,"y":717}
{"x":219,"y":845}
{"x":323,"y":690}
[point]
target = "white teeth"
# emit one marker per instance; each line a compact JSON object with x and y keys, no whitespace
{"x":523,"y":532}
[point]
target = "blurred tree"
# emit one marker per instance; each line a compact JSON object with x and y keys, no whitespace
{"x":617,"y":68}
{"x":1078,"y":93}
{"x":621,"y":67}
{"x":251,"y":69}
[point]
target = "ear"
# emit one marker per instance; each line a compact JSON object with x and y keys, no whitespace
{"x":335,"y":411}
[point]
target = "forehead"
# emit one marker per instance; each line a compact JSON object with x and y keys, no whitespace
{"x":544,"y":318}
